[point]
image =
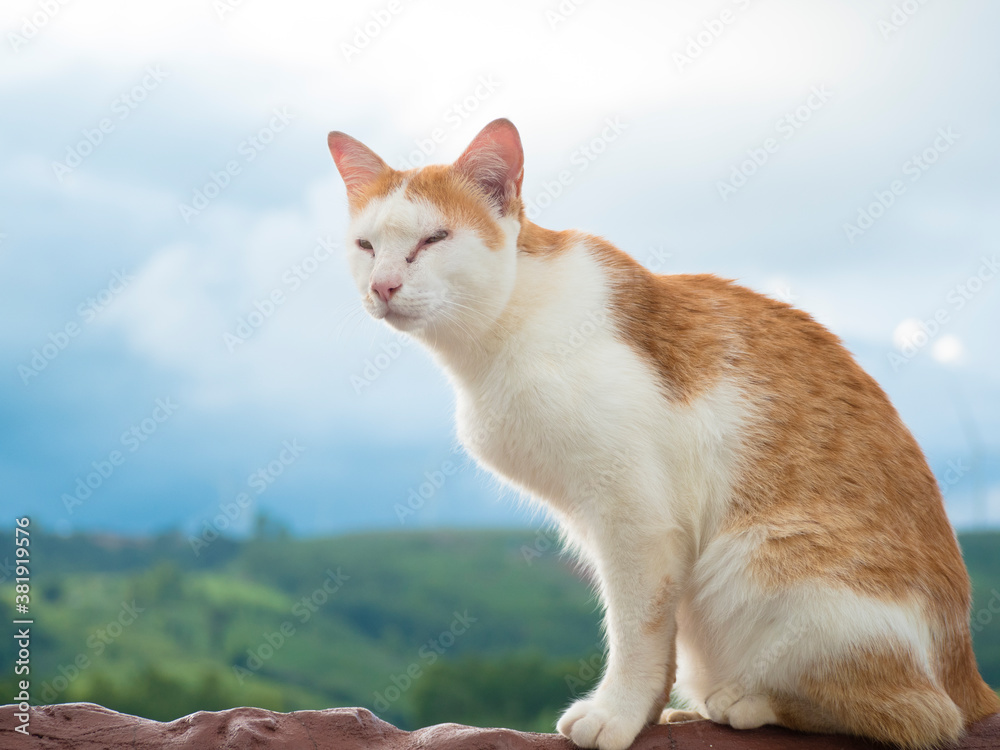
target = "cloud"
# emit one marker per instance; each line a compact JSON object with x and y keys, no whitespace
{"x":418,"y":79}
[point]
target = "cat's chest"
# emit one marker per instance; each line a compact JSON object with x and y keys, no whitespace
{"x":524,"y":435}
{"x":592,"y":423}
{"x":549,"y":419}
{"x":518,"y":415}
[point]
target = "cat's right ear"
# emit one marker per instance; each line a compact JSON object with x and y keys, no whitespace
{"x":358,"y":165}
{"x":495,"y":161}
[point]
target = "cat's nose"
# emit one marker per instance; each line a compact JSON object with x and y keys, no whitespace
{"x":386,"y":288}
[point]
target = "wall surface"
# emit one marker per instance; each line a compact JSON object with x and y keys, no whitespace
{"x":85,"y":726}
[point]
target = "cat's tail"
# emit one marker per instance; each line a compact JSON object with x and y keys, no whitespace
{"x":983,"y":702}
{"x":885,"y":697}
{"x":959,"y":675}
{"x":913,"y":718}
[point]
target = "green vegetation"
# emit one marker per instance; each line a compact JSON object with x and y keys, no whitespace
{"x":982,"y":557}
{"x":479,"y":627}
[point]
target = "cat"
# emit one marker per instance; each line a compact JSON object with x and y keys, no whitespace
{"x":759,"y":522}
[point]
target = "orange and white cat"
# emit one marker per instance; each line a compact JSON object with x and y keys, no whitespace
{"x":760,"y":522}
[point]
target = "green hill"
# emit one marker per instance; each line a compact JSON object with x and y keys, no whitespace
{"x":481,"y":627}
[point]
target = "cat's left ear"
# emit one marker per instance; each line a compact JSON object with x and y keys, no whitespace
{"x":495,"y":161}
{"x":358,"y":165}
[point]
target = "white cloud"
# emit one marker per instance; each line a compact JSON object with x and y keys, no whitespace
{"x":207,"y":311}
{"x":948,"y":350}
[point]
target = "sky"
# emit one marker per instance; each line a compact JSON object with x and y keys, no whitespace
{"x":183,"y":348}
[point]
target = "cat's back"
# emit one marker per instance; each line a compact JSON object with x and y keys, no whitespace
{"x":699,"y":328}
{"x":831,"y":480}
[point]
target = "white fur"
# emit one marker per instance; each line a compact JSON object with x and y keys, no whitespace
{"x":552,"y":399}
{"x":455,"y":280}
{"x":736,"y":637}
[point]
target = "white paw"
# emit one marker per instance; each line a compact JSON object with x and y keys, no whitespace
{"x":750,"y":712}
{"x":719,"y":702}
{"x":732,"y":706}
{"x":593,"y":724}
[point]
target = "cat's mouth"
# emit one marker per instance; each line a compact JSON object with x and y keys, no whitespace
{"x":402,"y":320}
{"x":400,"y":316}
{"x":384,"y":311}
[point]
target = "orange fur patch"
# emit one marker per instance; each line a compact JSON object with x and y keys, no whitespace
{"x":881,"y":695}
{"x":673,"y":322}
{"x":458,"y":199}
{"x":534,"y":240}
{"x":659,"y":609}
{"x":387,"y":182}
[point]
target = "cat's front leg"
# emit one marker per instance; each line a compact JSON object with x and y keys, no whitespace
{"x":639,"y":584}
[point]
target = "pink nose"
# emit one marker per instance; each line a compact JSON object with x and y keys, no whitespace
{"x":385,"y":289}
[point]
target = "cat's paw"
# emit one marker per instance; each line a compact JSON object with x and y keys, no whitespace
{"x":751,"y":711}
{"x":676,"y":716}
{"x":732,"y":706}
{"x":595,"y":724}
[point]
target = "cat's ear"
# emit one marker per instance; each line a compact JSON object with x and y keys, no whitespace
{"x":495,"y":162}
{"x":357,"y":164}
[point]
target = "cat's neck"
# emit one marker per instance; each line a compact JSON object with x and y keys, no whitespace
{"x":539,"y":287}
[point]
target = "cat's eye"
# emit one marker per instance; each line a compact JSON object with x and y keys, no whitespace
{"x":436,"y":237}
{"x":366,"y":245}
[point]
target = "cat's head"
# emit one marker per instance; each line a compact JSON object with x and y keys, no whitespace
{"x":433,"y":250}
